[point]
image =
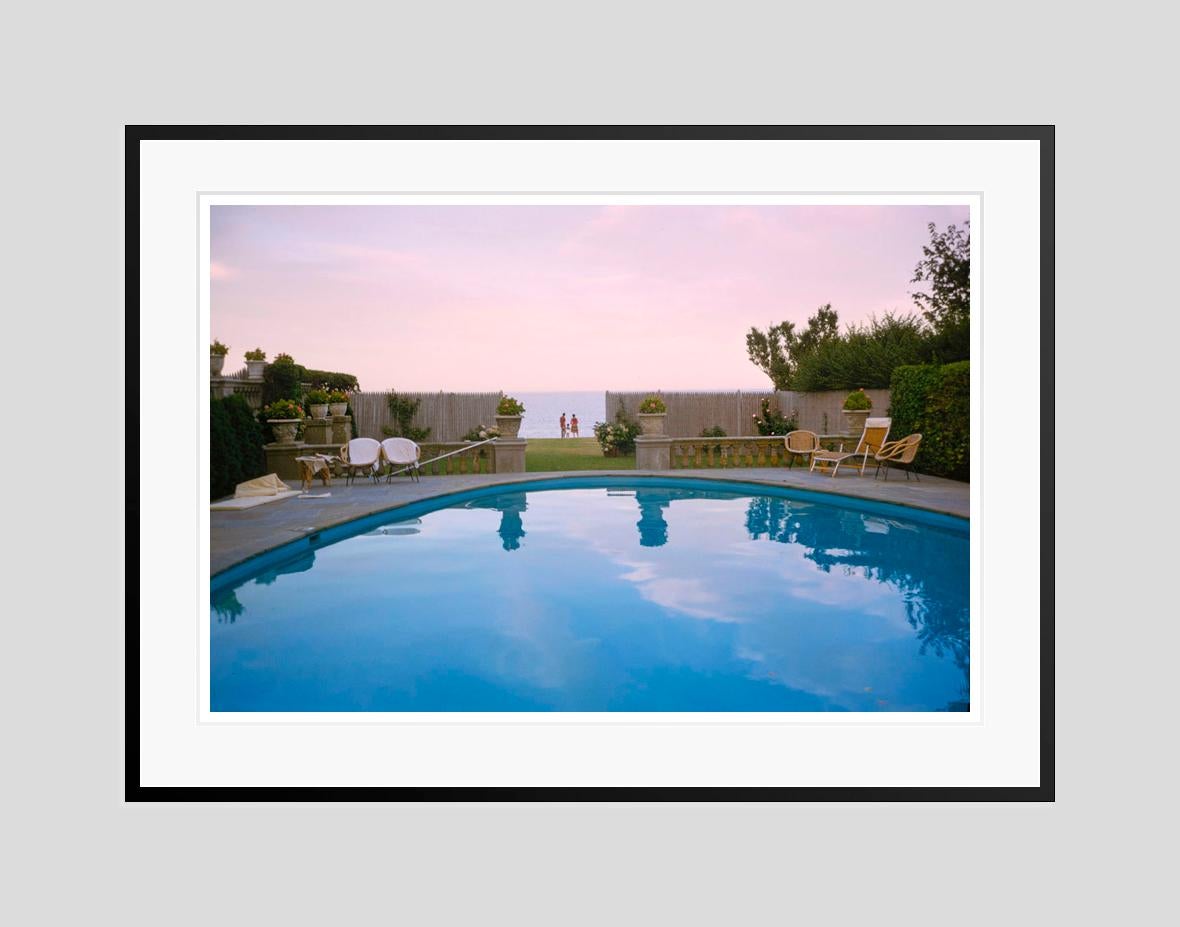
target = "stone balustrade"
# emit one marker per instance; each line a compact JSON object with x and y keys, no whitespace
{"x":506,"y":455}
{"x":480,"y":459}
{"x":721,"y":453}
{"x":237,"y":384}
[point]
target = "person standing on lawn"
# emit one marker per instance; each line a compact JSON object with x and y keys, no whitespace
{"x":563,"y":424}
{"x":574,"y":425}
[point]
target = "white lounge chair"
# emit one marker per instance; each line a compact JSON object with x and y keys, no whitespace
{"x":359,"y":455}
{"x":872,"y":438}
{"x":401,"y":453}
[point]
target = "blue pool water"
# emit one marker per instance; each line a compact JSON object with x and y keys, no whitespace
{"x":645,"y":595}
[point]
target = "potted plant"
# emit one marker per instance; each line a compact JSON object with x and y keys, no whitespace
{"x":255,"y":363}
{"x":857,"y":407}
{"x":217,"y":352}
{"x":652,"y":413}
{"x":508,"y":414}
{"x":317,"y":401}
{"x":338,"y":402}
{"x":284,"y":417}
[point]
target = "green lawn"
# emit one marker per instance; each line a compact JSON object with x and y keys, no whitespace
{"x":545,"y":454}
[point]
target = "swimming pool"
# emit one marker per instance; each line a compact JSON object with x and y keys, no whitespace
{"x":604,"y":594}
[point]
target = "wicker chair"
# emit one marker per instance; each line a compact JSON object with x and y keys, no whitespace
{"x":360,"y":454}
{"x":401,"y":452}
{"x":800,"y":444}
{"x":871,"y":441}
{"x":899,"y":453}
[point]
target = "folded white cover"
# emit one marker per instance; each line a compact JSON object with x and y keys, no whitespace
{"x":269,"y":485}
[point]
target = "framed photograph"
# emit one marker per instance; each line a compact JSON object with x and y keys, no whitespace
{"x":592,"y":463}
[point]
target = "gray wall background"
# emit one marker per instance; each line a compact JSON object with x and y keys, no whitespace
{"x":1095,"y":854}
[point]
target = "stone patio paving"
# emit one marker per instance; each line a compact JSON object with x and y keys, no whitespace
{"x":234,"y":536}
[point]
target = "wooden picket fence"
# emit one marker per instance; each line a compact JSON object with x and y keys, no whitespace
{"x":690,"y":412}
{"x":449,"y":416}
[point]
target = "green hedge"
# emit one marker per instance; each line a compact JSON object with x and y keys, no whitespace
{"x":935,"y":401}
{"x":285,"y":379}
{"x":235,"y":445}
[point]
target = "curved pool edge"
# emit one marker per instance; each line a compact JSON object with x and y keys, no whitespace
{"x":345,"y":527}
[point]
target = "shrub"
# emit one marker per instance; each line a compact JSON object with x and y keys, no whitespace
{"x":235,"y":445}
{"x":316,"y":397}
{"x":865,"y":355}
{"x":935,"y":401}
{"x":617,"y":437}
{"x":653,"y":405}
{"x":715,"y":432}
{"x":331,"y":381}
{"x":858,"y":401}
{"x":218,"y":348}
{"x":256,"y":355}
{"x":337,"y":396}
{"x":282,"y":379}
{"x":773,"y":422}
{"x":482,"y":433}
{"x":285,"y":379}
{"x":509,"y":406}
{"x":403,"y":409}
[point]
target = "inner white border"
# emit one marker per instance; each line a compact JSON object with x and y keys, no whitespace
{"x":1000,"y":749}
{"x":206,"y":201}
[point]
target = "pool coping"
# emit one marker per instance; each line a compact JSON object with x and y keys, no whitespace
{"x":325,"y":519}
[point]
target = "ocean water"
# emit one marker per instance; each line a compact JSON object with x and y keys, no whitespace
{"x":542,"y":412}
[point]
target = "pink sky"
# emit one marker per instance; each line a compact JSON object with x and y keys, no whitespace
{"x":530,"y":298}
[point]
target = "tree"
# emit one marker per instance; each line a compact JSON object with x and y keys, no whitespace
{"x":771,"y":352}
{"x":946,"y":266}
{"x":778,"y":350}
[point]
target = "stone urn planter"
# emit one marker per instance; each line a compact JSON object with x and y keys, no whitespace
{"x":318,"y":410}
{"x":338,"y":408}
{"x":216,"y":362}
{"x":652,"y":423}
{"x":254,"y":369}
{"x":509,"y":425}
{"x":854,"y":421}
{"x":284,"y":429}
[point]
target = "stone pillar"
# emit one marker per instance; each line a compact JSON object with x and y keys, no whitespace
{"x":318,"y":431}
{"x":508,"y":455}
{"x":653,"y":452}
{"x":280,"y":459}
{"x":341,"y":429}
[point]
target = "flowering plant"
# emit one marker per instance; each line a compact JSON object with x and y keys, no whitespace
{"x":337,"y":396}
{"x":509,"y":406}
{"x":482,"y":433}
{"x":773,"y":422}
{"x":653,"y":405}
{"x":858,"y":401}
{"x":617,"y":437}
{"x":256,"y":355}
{"x":218,"y":348}
{"x":281,"y":408}
{"x":316,"y":397}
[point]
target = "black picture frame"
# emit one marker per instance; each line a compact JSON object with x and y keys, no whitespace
{"x":135,"y":791}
